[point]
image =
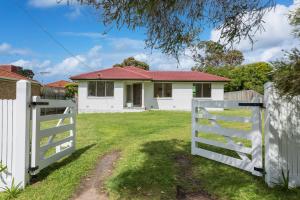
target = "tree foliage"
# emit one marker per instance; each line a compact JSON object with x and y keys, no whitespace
{"x":246,"y":77}
{"x":295,"y":20}
{"x":209,"y":53}
{"x":287,"y":70}
{"x":26,"y":72}
{"x":174,"y":25}
{"x":71,"y":90}
{"x":287,"y":74}
{"x":131,"y":61}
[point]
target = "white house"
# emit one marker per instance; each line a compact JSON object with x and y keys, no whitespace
{"x":119,"y":89}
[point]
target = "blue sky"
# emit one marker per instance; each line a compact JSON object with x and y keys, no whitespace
{"x":79,"y":30}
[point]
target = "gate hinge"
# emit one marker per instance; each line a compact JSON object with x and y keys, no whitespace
{"x":39,"y":103}
{"x":261,"y":170}
{"x":32,"y":169}
{"x":252,"y":104}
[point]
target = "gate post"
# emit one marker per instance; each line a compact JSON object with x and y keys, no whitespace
{"x":271,"y":138}
{"x":21,"y":133}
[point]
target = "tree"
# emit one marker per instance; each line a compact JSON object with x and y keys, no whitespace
{"x":131,"y":61}
{"x":174,"y":25}
{"x":295,"y":21}
{"x":26,"y":72}
{"x":71,"y":90}
{"x":246,"y":77}
{"x":213,"y":54}
{"x":287,"y":74}
{"x":287,"y":71}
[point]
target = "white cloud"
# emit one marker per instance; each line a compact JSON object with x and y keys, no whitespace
{"x":75,"y":13}
{"x":31,"y":64}
{"x":277,"y":36}
{"x":75,"y":9}
{"x":80,"y":63}
{"x":126,"y":44}
{"x":47,"y":3}
{"x":159,"y":61}
{"x":7,"y":49}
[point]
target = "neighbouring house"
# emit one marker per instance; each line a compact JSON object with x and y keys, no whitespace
{"x":8,"y":79}
{"x":120,"y":89}
{"x":55,"y":90}
{"x":58,"y":84}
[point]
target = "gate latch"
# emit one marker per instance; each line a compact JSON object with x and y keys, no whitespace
{"x":252,"y":104}
{"x":261,"y":170}
{"x":32,"y":169}
{"x":39,"y":103}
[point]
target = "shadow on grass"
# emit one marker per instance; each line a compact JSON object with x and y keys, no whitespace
{"x":168,"y":165}
{"x":57,"y":165}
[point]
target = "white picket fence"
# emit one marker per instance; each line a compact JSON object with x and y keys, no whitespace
{"x":19,"y":160}
{"x":282,"y":138}
{"x":7,"y":117}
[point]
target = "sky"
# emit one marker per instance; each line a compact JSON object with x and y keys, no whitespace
{"x":57,"y":41}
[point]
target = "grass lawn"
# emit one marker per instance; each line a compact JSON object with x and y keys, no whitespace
{"x":152,"y":146}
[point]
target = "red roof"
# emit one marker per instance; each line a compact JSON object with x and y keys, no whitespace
{"x":58,"y":84}
{"x":134,"y":73}
{"x":11,"y":75}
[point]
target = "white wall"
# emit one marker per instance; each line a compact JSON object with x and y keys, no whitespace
{"x":182,"y":94}
{"x":100,"y":104}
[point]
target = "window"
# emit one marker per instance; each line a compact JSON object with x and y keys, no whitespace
{"x":202,"y":90}
{"x":92,"y":88}
{"x":162,"y":90}
{"x":101,"y":88}
{"x":129,"y":93}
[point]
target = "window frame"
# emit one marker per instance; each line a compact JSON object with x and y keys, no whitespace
{"x":202,"y":90}
{"x":105,"y":89}
{"x":163,"y":85}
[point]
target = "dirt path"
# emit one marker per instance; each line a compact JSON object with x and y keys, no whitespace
{"x":184,"y":163}
{"x":92,"y":187}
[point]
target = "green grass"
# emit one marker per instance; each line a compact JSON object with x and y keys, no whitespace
{"x":151,"y":143}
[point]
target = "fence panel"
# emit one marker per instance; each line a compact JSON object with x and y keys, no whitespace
{"x":243,"y":95}
{"x":6,"y":144}
{"x":282,"y":138}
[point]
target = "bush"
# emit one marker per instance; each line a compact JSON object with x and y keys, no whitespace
{"x":71,"y":90}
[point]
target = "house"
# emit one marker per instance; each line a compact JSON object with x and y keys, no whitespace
{"x":8,"y":79}
{"x":119,"y":89}
{"x":55,"y":90}
{"x":58,"y":84}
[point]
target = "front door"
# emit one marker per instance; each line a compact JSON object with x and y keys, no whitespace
{"x":137,"y":94}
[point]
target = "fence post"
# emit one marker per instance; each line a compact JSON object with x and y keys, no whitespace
{"x":194,"y":131}
{"x":21,"y":135}
{"x":271,"y":140}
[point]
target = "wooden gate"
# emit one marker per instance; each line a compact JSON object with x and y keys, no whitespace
{"x":51,"y":141}
{"x":248,"y":158}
